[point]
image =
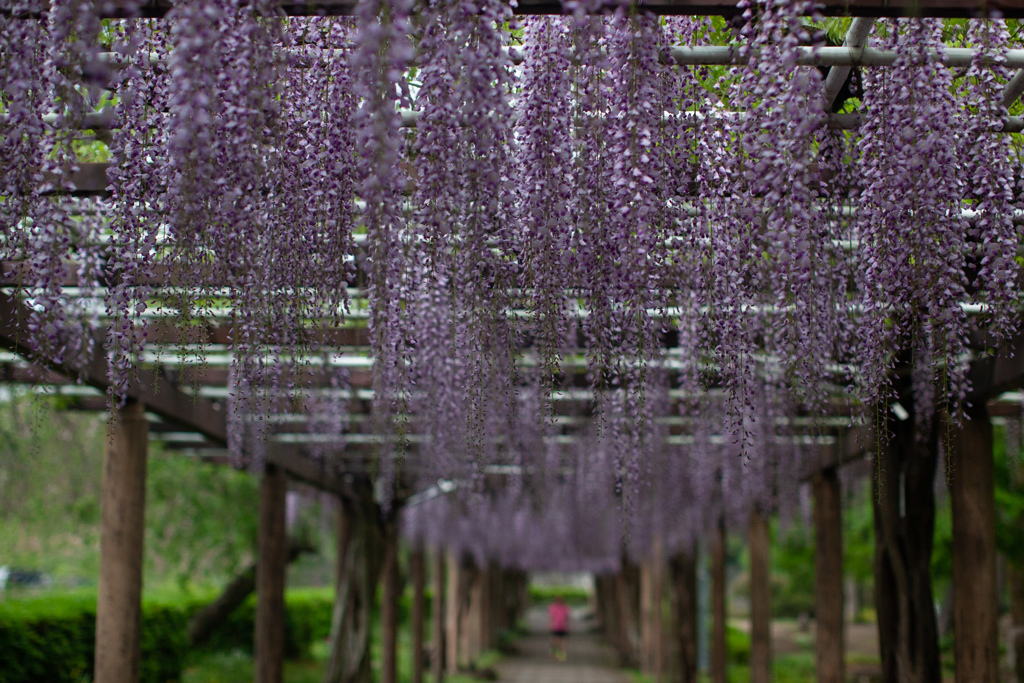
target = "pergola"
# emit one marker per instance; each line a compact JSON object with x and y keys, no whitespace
{"x":182,"y":388}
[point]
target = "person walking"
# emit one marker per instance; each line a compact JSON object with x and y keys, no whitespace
{"x":558,"y":619}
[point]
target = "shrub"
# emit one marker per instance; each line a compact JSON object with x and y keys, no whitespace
{"x":307,"y":619}
{"x":737,"y":645}
{"x":572,"y":594}
{"x":52,"y":638}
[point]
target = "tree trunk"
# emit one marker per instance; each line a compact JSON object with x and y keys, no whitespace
{"x":719,"y":652}
{"x":270,"y":577}
{"x":209,"y":618}
{"x":904,"y":506}
{"x":356,"y":587}
{"x":828,"y":577}
{"x":683,"y":569}
{"x":972,"y":498}
{"x":760,"y":600}
{"x":122,"y":529}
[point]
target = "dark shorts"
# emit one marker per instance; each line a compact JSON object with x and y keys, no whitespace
{"x":560,"y":634}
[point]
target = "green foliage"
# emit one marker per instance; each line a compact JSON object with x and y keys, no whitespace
{"x":546,"y":594}
{"x":859,"y":534}
{"x":1009,"y":479}
{"x":237,"y":667}
{"x":792,"y":581}
{"x":50,"y":466}
{"x":737,"y":645}
{"x":52,"y":638}
{"x":942,"y":540}
{"x":307,"y":620}
{"x":201,"y":518}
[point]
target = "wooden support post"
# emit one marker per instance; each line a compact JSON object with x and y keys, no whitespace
{"x":453,"y":637}
{"x":122,"y":528}
{"x":828,"y":577}
{"x":904,"y":519}
{"x":646,"y":616}
{"x":416,"y":568}
{"x":484,"y":594}
{"x":613,"y":622}
{"x":600,"y":604}
{"x":1016,"y":639}
{"x":972,"y":499}
{"x":389,"y":607}
{"x":356,"y":587}
{"x":760,"y":601}
{"x":627,"y":594}
{"x":651,"y":595}
{"x":270,"y":576}
{"x":473,"y":627}
{"x":503,"y":580}
{"x":504,"y":586}
{"x":657,"y":623}
{"x":683,"y":568}
{"x":437,"y":616}
{"x":719,"y":652}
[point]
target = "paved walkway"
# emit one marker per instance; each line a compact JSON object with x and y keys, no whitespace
{"x":588,"y":661}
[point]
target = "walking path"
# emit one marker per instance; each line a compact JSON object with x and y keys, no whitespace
{"x":588,"y":661}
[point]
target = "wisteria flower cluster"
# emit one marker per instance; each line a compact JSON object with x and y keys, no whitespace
{"x":571,"y":258}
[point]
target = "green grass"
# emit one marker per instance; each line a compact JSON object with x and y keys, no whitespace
{"x":791,"y":668}
{"x":237,"y":667}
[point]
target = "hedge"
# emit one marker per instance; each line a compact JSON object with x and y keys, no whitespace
{"x":545,"y":594}
{"x":51,"y":639}
{"x":307,"y":619}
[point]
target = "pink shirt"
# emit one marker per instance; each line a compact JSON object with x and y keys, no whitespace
{"x":558,"y":616}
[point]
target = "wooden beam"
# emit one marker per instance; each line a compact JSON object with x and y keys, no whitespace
{"x":856,"y":36}
{"x":828,"y":577}
{"x":151,"y":389}
{"x":975,"y":596}
{"x":324,"y":474}
{"x":852,"y":445}
{"x":272,"y":558}
{"x":993,"y":375}
{"x":122,"y":528}
{"x":1014,"y":89}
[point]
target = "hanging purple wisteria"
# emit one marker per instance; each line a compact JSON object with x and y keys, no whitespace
{"x":558,"y":254}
